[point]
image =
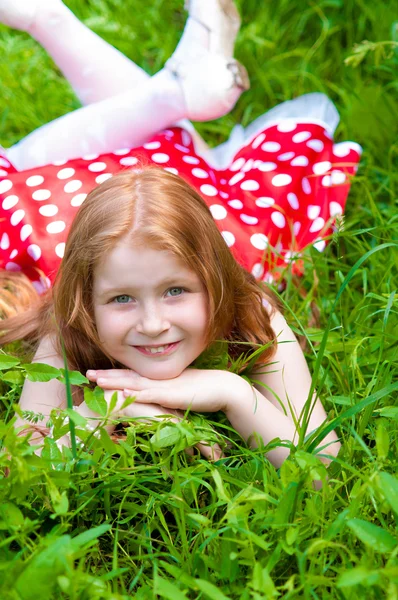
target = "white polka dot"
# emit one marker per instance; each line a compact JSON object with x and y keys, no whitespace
{"x":281,"y":180}
{"x":186,"y":137}
{"x":218,"y":212}
{"x":152,"y":145}
{"x":313,"y":211}
{"x":199,"y":173}
{"x":248,"y":219}
{"x":321,"y":167}
{"x":344,"y":148}
{"x":300,"y":161}
{"x":40,"y":289}
{"x":265,"y":202}
{"x":265,"y":167}
{"x":78,"y":199}
{"x":171,"y":170}
{"x":293,"y":200}
{"x":296,"y":227}
{"x":224,"y":195}
{"x":13,"y":254}
{"x":235,"y":204}
{"x":191,"y":160}
{"x":326,"y":181}
{"x":338,"y":177}
{"x":128,"y":161}
{"x":5,"y":185}
{"x":5,"y":242}
{"x":11,"y":266}
{"x":72,"y":186}
{"x":250,"y":185}
{"x":237,"y":164}
{"x":48,"y":210}
{"x":335,"y":209}
{"x":223,"y":181}
{"x":259,"y":241}
{"x":271,"y":147}
{"x":305,"y":184}
{"x":160,"y":157}
{"x":56,"y":227}
{"x":319,"y":245}
{"x":40,"y":195}
{"x":208,"y":190}
{"x":278,"y":219}
{"x":103,"y":177}
{"x":66,"y":173}
{"x":94,"y":156}
{"x":285,"y":126}
{"x":3,"y":173}
{"x":317,"y":224}
{"x":97,"y":167}
{"x":4,"y":162}
{"x":285,"y":156}
{"x":258,"y":270}
{"x":181,"y":148}
{"x":25,"y":232}
{"x":236,"y":178}
{"x":17,"y":217}
{"x":10,"y":202}
{"x":58,"y":163}
{"x":258,"y":140}
{"x":248,"y":165}
{"x":316,"y":145}
{"x":34,"y":251}
{"x":228,"y":237}
{"x":34,"y":180}
{"x":60,"y":249}
{"x":302,"y":136}
{"x":120,"y":152}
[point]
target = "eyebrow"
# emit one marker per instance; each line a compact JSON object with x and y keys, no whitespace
{"x":178,"y":279}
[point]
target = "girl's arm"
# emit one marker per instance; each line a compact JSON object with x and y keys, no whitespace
{"x":43,"y":397}
{"x":288,"y":379}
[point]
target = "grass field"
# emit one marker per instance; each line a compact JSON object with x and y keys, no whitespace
{"x":142,"y":520}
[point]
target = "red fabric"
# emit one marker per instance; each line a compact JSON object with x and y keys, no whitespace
{"x":281,"y":193}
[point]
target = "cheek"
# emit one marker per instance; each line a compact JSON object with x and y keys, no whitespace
{"x":108,"y":324}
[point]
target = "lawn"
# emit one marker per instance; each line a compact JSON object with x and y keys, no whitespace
{"x":139,"y":518}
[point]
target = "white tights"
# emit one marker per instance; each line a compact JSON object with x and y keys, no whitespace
{"x":124,"y":106}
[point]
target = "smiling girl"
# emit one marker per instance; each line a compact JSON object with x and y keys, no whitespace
{"x":147,"y":282}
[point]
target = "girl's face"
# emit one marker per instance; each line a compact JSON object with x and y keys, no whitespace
{"x":150,"y":310}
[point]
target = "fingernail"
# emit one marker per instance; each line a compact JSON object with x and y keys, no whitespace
{"x":91,"y":373}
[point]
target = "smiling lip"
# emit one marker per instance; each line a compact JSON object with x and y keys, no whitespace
{"x":168,"y":349}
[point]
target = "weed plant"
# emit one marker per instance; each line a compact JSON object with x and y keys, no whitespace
{"x":139,"y":518}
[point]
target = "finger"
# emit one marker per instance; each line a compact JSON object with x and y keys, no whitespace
{"x":211,"y":452}
{"x":94,"y":374}
{"x":165,"y":397}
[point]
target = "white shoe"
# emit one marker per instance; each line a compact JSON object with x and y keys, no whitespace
{"x":211,"y":85}
{"x":222,"y":21}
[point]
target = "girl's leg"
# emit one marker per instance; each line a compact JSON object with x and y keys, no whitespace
{"x":206,"y":91}
{"x":94,"y":68}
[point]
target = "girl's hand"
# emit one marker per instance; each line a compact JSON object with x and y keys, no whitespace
{"x":145,"y":410}
{"x":195,"y":389}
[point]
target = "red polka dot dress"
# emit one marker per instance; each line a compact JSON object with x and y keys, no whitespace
{"x":275,"y":191}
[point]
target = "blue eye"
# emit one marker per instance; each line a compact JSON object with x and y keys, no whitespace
{"x":122,"y":299}
{"x":176,"y":291}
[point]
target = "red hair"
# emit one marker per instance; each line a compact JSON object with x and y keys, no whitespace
{"x":159,"y":209}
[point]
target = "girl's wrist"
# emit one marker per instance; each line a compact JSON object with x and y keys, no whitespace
{"x":240,"y":396}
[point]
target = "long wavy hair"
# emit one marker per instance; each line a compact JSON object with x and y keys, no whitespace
{"x":153,"y":207}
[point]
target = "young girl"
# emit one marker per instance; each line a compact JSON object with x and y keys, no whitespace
{"x":271,"y":190}
{"x":146,"y":283}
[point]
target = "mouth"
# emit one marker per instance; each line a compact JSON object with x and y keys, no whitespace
{"x":157,"y":350}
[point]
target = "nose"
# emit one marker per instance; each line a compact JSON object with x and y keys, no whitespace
{"x":152,"y":321}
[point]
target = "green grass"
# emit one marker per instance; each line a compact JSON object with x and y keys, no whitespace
{"x":143,"y":520}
